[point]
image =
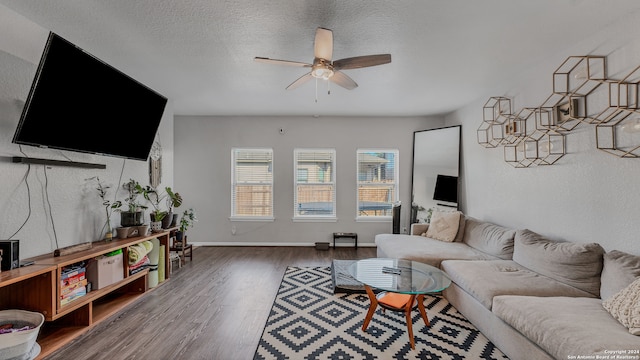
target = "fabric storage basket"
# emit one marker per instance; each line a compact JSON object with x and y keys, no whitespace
{"x":20,"y":344}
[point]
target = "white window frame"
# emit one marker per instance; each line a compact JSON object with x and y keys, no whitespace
{"x":361,"y":217}
{"x":234,"y":183}
{"x":331,"y":181}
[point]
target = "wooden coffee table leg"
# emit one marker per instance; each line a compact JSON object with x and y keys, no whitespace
{"x":407,"y":313}
{"x":423,"y":312}
{"x":372,"y":307}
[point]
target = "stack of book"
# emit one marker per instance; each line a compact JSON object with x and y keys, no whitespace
{"x":73,"y":283}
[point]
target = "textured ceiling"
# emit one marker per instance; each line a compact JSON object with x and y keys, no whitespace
{"x":200,"y":53}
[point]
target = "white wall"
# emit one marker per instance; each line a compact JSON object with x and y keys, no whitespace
{"x":589,"y":195}
{"x":203,"y":172}
{"x":61,"y":208}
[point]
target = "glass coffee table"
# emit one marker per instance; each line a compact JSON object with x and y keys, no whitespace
{"x":398,"y":276}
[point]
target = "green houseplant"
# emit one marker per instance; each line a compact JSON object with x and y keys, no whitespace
{"x":186,"y":221}
{"x":157,"y":215}
{"x":174,"y":200}
{"x":109,"y":206}
{"x":134,"y":215}
{"x":415,"y":209}
{"x":152,"y":196}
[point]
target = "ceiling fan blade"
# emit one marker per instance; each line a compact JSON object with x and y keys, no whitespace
{"x":281,"y":62}
{"x":362,"y":61}
{"x":301,"y":80}
{"x":340,"y":78}
{"x":323,"y":46}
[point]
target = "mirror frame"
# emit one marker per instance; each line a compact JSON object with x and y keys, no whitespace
{"x":422,"y":140}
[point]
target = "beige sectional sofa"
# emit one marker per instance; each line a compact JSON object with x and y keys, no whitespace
{"x":533,"y":297}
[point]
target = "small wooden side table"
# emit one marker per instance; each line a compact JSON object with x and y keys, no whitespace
{"x":184,"y":249}
{"x":353,"y":236}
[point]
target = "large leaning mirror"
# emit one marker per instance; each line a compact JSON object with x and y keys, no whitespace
{"x":436,"y":166}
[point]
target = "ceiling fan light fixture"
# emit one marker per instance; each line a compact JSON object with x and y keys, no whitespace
{"x":321,"y":70}
{"x":324,"y":68}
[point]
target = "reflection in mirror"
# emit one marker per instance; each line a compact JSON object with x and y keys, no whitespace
{"x":436,"y":159}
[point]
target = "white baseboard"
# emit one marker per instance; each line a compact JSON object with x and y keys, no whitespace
{"x":274,"y":244}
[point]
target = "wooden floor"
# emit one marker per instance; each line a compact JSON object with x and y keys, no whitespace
{"x":213,"y":308}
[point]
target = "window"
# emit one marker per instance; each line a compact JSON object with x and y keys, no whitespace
{"x":252,"y":184}
{"x":315,"y":184}
{"x":377,"y":183}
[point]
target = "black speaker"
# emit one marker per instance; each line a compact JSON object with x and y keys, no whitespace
{"x":10,"y":254}
{"x":396,"y":218}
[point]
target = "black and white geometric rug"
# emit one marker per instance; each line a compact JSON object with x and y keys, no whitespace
{"x":309,"y":321}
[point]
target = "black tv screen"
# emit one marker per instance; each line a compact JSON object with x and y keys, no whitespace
{"x":78,"y":102}
{"x":446,"y":189}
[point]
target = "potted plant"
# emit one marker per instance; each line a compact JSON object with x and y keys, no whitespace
{"x":134,"y":215}
{"x":415,"y":209}
{"x":109,"y":206}
{"x":158,"y":216}
{"x":174,"y":200}
{"x":188,"y":219}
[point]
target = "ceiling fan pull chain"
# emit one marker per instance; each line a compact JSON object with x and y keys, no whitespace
{"x":316,"y":89}
{"x":328,"y":87}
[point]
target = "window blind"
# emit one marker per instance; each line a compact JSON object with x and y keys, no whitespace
{"x":315,"y":187}
{"x":252,"y":183}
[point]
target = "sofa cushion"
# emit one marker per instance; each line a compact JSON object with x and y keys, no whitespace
{"x":424,"y":249}
{"x":444,"y":225}
{"x":575,"y":264}
{"x":625,"y":307}
{"x":619,"y":269}
{"x":489,"y":278}
{"x":489,"y":238}
{"x":461,"y":226}
{"x":421,"y":229}
{"x":573,"y":332}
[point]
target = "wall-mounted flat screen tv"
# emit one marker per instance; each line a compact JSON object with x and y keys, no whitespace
{"x":446,"y":188}
{"x":78,"y":102}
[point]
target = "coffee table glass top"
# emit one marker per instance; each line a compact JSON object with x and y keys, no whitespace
{"x":411,"y":278}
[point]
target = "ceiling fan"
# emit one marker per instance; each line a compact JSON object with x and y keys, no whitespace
{"x":326,"y":69}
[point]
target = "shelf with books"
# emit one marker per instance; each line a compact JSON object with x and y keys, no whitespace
{"x":46,"y":285}
{"x":73,"y":283}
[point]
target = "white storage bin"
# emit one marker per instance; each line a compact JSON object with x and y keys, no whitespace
{"x":20,"y":344}
{"x":105,"y":271}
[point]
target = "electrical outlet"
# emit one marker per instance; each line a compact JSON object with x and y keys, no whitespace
{"x":233,"y":230}
{"x":404,"y":230}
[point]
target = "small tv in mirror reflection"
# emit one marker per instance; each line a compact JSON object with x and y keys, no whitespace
{"x":446,"y":188}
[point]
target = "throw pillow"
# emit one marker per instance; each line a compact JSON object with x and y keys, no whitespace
{"x":460,"y":235}
{"x":619,"y":270}
{"x":489,"y":238}
{"x":625,"y":307}
{"x":444,"y":225}
{"x":575,"y":264}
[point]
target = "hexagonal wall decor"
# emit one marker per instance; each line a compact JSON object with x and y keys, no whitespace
{"x":496,"y":108}
{"x":579,"y":75}
{"x":492,"y":131}
{"x":491,"y":135}
{"x":625,"y":93}
{"x":537,"y":136}
{"x":620,"y":134}
{"x":514,"y":154}
{"x":551,"y":148}
{"x":558,"y":113}
{"x":533,"y":149}
{"x":514,"y":128}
